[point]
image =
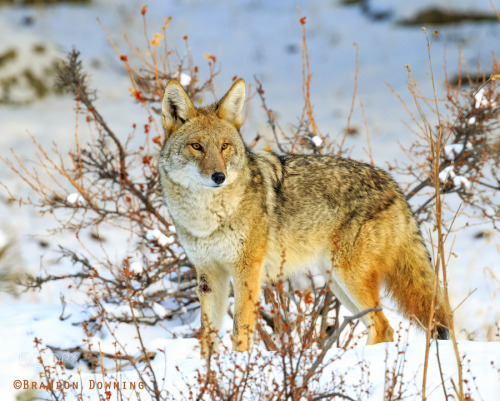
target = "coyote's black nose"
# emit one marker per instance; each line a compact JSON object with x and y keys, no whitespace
{"x":218,"y":178}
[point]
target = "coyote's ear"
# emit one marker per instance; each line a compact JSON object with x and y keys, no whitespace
{"x":176,"y":107}
{"x":230,"y":106}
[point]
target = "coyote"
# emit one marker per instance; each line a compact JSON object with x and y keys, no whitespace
{"x":237,"y":212}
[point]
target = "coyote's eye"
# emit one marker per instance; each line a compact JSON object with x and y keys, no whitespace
{"x":196,"y":146}
{"x":225,"y":146}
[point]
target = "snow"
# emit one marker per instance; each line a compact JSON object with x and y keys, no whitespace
{"x":136,"y":267}
{"x":159,"y":310}
{"x":479,"y":97}
{"x":482,"y":359}
{"x":158,"y":236}
{"x":459,"y":181}
{"x":251,"y":38}
{"x":184,"y":79}
{"x":446,"y":174}
{"x":317,"y":140}
{"x":75,"y":199}
{"x":451,"y":152}
{"x":119,"y":311}
{"x":180,"y":370}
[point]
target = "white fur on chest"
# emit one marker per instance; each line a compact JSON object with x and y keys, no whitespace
{"x":205,"y":224}
{"x":197,"y":212}
{"x":222,"y":248}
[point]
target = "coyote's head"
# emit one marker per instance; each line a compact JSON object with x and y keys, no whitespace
{"x":203,"y":147}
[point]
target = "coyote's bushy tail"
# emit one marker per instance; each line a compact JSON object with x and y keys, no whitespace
{"x":411,"y":284}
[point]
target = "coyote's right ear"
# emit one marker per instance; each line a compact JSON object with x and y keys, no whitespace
{"x":176,"y":107}
{"x":230,"y":106}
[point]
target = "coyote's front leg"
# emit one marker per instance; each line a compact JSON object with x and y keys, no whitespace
{"x":247,"y":290}
{"x":213,"y":293}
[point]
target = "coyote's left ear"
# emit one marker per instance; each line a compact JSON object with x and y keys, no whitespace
{"x":230,"y":106}
{"x":176,"y":107}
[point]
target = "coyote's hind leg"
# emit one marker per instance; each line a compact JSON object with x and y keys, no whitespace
{"x":357,"y":288}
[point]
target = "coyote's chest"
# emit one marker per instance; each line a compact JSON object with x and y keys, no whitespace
{"x":207,"y":227}
{"x":196,"y":214}
{"x":222,"y":248}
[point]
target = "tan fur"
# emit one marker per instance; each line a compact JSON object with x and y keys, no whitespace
{"x":347,"y":218}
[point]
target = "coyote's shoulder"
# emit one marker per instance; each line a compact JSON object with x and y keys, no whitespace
{"x":254,"y":215}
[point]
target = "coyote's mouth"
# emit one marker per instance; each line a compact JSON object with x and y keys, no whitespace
{"x":216,"y":186}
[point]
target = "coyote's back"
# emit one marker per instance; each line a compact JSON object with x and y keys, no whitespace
{"x":254,"y":215}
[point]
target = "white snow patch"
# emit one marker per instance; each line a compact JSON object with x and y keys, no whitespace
{"x":446,"y":173}
{"x":120,"y":311}
{"x":317,"y":141}
{"x":161,"y":238}
{"x":459,"y":181}
{"x":75,"y":199}
{"x":184,"y":79}
{"x":159,"y":310}
{"x":178,"y":349}
{"x":136,"y":267}
{"x":42,"y":274}
{"x":480,"y":100}
{"x":472,"y":120}
{"x":452,"y":151}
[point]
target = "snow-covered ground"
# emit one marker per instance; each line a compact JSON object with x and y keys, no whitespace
{"x":249,"y":38}
{"x":362,"y":368}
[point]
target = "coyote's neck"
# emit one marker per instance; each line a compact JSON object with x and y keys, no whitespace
{"x":200,"y":212}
